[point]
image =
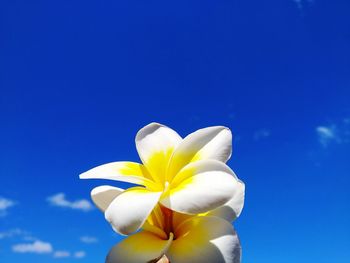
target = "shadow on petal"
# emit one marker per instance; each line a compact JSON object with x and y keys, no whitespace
{"x":141,"y":247}
{"x":205,"y":239}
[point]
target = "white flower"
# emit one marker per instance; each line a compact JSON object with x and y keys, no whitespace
{"x":184,"y":175}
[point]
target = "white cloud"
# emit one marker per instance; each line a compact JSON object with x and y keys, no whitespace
{"x":5,"y":204}
{"x":79,"y":254}
{"x":38,"y":247}
{"x":327,"y":134}
{"x":261,"y":134}
{"x":61,"y":254}
{"x":88,"y":239}
{"x":61,"y":201}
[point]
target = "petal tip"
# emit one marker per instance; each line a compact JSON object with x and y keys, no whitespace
{"x":83,"y":175}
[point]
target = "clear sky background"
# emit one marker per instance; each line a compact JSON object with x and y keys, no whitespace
{"x":79,"y":78}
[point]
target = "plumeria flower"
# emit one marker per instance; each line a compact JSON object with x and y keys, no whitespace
{"x":169,"y":236}
{"x":183,"y":175}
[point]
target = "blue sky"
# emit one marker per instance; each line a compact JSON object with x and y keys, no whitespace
{"x":79,"y":78}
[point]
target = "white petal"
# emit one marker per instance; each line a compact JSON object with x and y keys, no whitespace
{"x":130,"y":209}
{"x":120,"y":171}
{"x":155,"y":144}
{"x":233,"y":208}
{"x":200,"y":187}
{"x":205,"y":239}
{"x":209,"y":143}
{"x":102,"y":196}
{"x":141,"y":247}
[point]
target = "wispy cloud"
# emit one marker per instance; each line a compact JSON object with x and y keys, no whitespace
{"x":61,"y":254}
{"x":326,"y":134}
{"x":301,"y":3}
{"x":79,"y":254}
{"x":13,"y":233}
{"x":61,"y":201}
{"x":37,"y":247}
{"x":88,"y":239}
{"x":66,"y":254}
{"x":261,"y":134}
{"x":5,"y":204}
{"x":337,"y":132}
{"x":10,"y":233}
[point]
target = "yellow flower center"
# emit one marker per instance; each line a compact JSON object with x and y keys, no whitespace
{"x":161,"y":222}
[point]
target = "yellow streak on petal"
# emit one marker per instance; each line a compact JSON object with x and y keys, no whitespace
{"x":156,"y":217}
{"x":197,"y":157}
{"x":182,"y":176}
{"x":179,"y":162}
{"x":130,"y":168}
{"x":157,"y":165}
{"x":155,"y":230}
{"x":188,"y":182}
{"x":137,"y":169}
{"x":121,"y":171}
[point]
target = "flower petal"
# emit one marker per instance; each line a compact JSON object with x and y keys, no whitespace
{"x":102,"y":196}
{"x":155,"y":144}
{"x":141,"y":247}
{"x":179,"y":218}
{"x":163,"y":259}
{"x":201,"y":186}
{"x":120,"y":171}
{"x":208,"y":143}
{"x":205,"y":239}
{"x":130,"y":209}
{"x":233,"y":208}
